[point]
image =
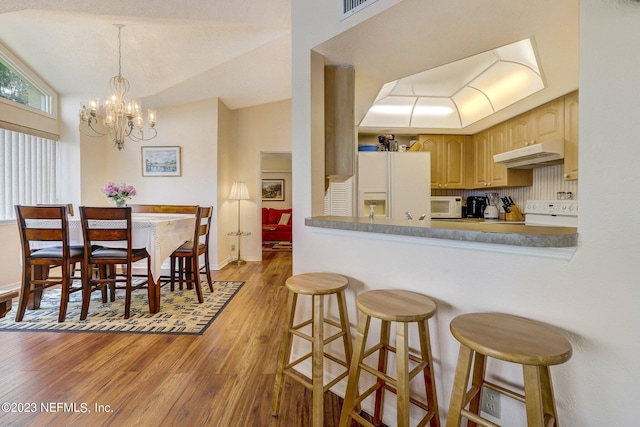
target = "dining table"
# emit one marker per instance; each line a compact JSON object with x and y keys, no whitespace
{"x":159,"y":233}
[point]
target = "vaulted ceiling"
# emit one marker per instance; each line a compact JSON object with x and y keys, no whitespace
{"x":172,"y":52}
{"x":182,"y":51}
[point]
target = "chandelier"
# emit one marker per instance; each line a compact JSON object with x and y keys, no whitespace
{"x":118,"y":117}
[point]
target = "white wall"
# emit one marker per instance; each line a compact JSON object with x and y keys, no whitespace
{"x":263,"y":128}
{"x":591,"y":299}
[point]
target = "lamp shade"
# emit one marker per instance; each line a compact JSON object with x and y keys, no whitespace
{"x":239,"y":191}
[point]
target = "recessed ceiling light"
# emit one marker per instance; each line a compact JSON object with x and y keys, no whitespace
{"x":460,"y":93}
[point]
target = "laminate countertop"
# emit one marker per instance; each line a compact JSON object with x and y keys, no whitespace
{"x":496,"y":232}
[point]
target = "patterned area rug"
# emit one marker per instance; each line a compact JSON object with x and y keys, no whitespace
{"x":277,"y":246}
{"x":179,"y":313}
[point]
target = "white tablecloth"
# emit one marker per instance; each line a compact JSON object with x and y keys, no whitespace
{"x":159,"y":234}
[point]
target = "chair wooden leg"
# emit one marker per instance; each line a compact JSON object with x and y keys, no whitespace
{"x":195,"y":275}
{"x":533,"y":396}
{"x":318,"y":361}
{"x":548,"y":399}
{"x":383,"y":356}
{"x":354,"y":370}
{"x":459,"y":391}
{"x":189,"y":278}
{"x":173,"y":273}
{"x":207,"y":270}
{"x":153,"y":291}
{"x":35,"y":295}
{"x":24,"y":292}
{"x":402,"y":370}
{"x":429,"y":381}
{"x":181,"y":273}
{"x":64,"y":294}
{"x":477,"y":379}
{"x":127,"y":298}
{"x":285,"y":353}
{"x":86,"y":292}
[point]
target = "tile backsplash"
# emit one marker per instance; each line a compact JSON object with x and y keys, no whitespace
{"x":547,"y":182}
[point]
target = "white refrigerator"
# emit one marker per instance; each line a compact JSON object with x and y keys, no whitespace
{"x":394,"y":183}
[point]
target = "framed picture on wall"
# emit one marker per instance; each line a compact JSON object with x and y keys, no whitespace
{"x":161,"y":161}
{"x":273,"y":190}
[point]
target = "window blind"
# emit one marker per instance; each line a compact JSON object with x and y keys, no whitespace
{"x":29,"y":171}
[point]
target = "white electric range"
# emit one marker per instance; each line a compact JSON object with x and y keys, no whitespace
{"x":560,"y":213}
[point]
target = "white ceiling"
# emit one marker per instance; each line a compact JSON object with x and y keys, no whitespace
{"x":182,"y":51}
{"x":172,"y":51}
{"x":418,"y":35}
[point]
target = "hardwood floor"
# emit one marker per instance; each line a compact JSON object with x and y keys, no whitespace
{"x":222,"y":378}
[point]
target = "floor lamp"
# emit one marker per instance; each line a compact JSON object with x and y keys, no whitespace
{"x":239,"y":192}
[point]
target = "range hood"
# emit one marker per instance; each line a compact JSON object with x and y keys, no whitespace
{"x":536,"y":155}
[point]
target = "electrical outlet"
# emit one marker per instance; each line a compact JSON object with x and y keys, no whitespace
{"x":233,"y":248}
{"x":490,"y":403}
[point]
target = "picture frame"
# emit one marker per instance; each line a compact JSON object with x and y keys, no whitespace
{"x":161,"y":161}
{"x":273,"y":190}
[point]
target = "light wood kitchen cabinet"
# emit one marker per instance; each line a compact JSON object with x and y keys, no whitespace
{"x":489,"y":174}
{"x":548,"y":121}
{"x":448,"y":159}
{"x":520,"y":131}
{"x":543,"y":123}
{"x":571,"y":136}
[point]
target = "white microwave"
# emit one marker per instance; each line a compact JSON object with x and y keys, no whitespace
{"x":446,"y":207}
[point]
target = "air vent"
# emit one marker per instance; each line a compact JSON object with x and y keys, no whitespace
{"x":349,"y":7}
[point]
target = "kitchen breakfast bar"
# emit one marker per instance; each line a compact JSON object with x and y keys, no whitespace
{"x":546,"y":241}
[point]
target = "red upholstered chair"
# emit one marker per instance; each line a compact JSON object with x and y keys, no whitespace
{"x":53,"y":228}
{"x":272,"y":227}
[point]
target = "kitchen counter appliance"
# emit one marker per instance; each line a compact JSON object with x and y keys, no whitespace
{"x":476,"y":206}
{"x":560,"y":213}
{"x":446,"y":207}
{"x":491,"y":211}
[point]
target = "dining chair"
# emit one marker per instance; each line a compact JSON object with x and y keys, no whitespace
{"x":111,"y":227}
{"x":70,"y":212}
{"x":175,"y":209}
{"x":46,"y":224}
{"x":188,"y":255}
{"x":68,"y":205}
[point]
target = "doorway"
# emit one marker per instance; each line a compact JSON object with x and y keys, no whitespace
{"x":275,"y":204}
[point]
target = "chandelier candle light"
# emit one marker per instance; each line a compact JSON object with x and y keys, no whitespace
{"x":121,"y":118}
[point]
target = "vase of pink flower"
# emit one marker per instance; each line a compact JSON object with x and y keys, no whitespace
{"x":119,"y":193}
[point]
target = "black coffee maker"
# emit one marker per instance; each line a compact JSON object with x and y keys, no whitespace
{"x":476,"y":206}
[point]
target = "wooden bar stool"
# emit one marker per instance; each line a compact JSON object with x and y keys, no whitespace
{"x":317,"y":285}
{"x":512,"y":339}
{"x":401,"y":307}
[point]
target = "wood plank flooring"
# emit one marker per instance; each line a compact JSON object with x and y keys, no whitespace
{"x":222,"y":378}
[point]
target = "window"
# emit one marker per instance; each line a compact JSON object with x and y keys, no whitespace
{"x":15,"y":88}
{"x":20,"y":87}
{"x":28,"y":174}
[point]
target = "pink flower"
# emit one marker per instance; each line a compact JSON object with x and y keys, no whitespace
{"x":120,"y":191}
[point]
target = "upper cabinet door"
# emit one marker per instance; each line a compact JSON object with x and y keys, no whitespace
{"x":571,"y":136}
{"x":433,"y":144}
{"x":520,"y":131}
{"x":454,"y":161}
{"x":548,"y":121}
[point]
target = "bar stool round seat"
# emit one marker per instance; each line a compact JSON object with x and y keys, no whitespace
{"x":318,"y":286}
{"x":395,"y":305}
{"x":317,"y":283}
{"x":510,"y":338}
{"x":402,"y":307}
